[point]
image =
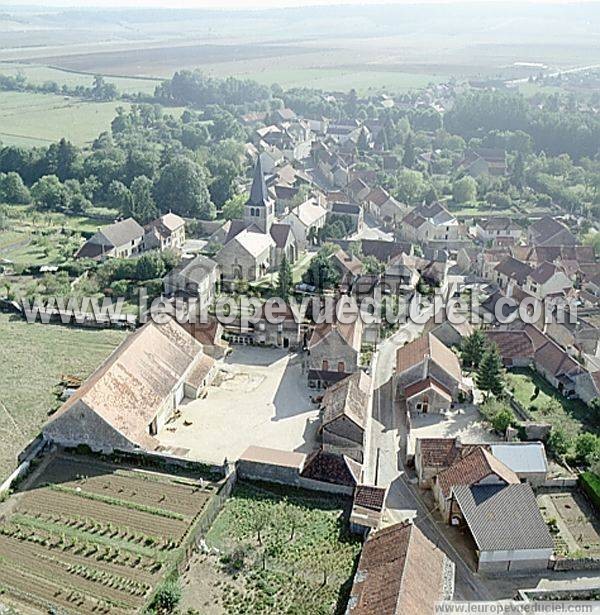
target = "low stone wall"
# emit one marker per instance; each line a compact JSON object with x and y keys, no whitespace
{"x":560,"y":483}
{"x":562,"y":564}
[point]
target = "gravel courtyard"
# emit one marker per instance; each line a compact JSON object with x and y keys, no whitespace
{"x":259,"y":397}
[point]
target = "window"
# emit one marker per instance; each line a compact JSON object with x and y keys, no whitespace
{"x":341,"y":366}
{"x":325,"y":365}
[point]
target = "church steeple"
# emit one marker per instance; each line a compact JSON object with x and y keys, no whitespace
{"x":258,"y":193}
{"x":259,"y":209}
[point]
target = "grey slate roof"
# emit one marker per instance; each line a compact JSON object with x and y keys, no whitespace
{"x":123,"y":232}
{"x":258,"y":192}
{"x":194,"y":269}
{"x":503,"y":518}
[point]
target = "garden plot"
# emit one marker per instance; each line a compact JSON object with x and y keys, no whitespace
{"x":273,"y":550}
{"x":86,"y":536}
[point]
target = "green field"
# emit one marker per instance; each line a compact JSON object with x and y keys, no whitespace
{"x":38,"y":74}
{"x":33,"y":358}
{"x":30,"y":119}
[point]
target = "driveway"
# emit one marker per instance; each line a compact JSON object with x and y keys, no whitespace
{"x":259,"y":397}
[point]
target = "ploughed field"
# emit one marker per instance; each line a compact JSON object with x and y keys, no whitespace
{"x":85,"y":536}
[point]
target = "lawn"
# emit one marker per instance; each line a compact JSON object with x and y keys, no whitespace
{"x":33,"y":359}
{"x":31,"y":119}
{"x":547,"y":405}
{"x":89,"y":536}
{"x":302,"y":563}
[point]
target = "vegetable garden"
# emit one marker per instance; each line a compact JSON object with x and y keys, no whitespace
{"x":90,"y":537}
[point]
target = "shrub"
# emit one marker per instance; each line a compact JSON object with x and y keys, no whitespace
{"x":167,"y":598}
{"x":590,"y":483}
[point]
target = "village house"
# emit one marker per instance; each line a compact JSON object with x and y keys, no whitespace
{"x":348,"y":266}
{"x":383,"y":206}
{"x":483,"y":161}
{"x":119,"y":240}
{"x":164,"y":233}
{"x":283,"y":329}
{"x":130,"y":397}
{"x":551,"y":232}
{"x":547,"y":280}
{"x":477,"y":467}
{"x":306,"y":219}
{"x":358,"y":190}
{"x":526,"y":459}
{"x":431,"y":223}
{"x":339,"y":471}
{"x":400,"y":571}
{"x":209,"y":332}
{"x":490,"y":230}
{"x":348,"y":211}
{"x":401,"y":275}
{"x":510,"y":271}
{"x":333,"y":352}
{"x":428,"y":376}
{"x":195,"y":278}
{"x":432,"y":455}
{"x":344,"y":415}
{"x":284,"y":244}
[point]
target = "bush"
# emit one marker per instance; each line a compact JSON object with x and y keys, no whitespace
{"x":167,"y":598}
{"x":590,"y":483}
{"x":558,"y":442}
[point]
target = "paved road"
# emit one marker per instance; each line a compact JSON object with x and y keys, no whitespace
{"x":385,"y":463}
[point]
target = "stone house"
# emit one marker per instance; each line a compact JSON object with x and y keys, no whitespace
{"x":130,"y":397}
{"x":549,"y":231}
{"x":547,"y":280}
{"x":195,"y":278}
{"x":333,"y":348}
{"x":284,"y":244}
{"x":344,"y":413}
{"x":306,"y":219}
{"x":510,"y":271}
{"x":478,"y":467}
{"x":526,"y":459}
{"x":287,"y":331}
{"x":427,"y":376}
{"x":164,"y":233}
{"x":483,"y":161}
{"x":119,"y":240}
{"x":493,"y":229}
{"x":349,"y":211}
{"x":348,"y":266}
{"x":431,"y":223}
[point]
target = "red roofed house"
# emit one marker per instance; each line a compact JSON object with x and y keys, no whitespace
{"x":479,"y":467}
{"x":428,"y":375}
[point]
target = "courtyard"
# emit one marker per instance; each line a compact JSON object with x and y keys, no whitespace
{"x":259,"y":397}
{"x":463,"y":421}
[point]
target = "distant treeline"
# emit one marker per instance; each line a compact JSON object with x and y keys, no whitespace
{"x":100,"y":89}
{"x":572,"y":132}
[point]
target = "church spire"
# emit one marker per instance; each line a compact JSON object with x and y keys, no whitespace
{"x":258,"y":192}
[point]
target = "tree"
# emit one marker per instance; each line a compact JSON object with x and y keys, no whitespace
{"x":372,"y":265}
{"x":259,"y":521}
{"x":167,"y":598}
{"x":490,"y":373}
{"x":473,"y":348}
{"x":517,"y":177}
{"x":558,"y":443}
{"x":587,"y":448}
{"x":143,"y":207}
{"x":182,"y":188}
{"x":150,"y":266}
{"x":321,"y":273}
{"x":502,"y":420}
{"x":49,"y":193}
{"x":411,"y":186}
{"x":119,"y":196}
{"x":13,"y":190}
{"x":234,"y":207}
{"x":409,"y":158}
{"x":464,"y":190}
{"x":286,"y":278}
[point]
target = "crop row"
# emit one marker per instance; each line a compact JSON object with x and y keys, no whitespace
{"x":77,"y":552}
{"x":43,"y":592}
{"x":111,"y":588}
{"x":68,"y":507}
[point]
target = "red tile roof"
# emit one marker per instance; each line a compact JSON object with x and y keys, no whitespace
{"x":369,"y":497}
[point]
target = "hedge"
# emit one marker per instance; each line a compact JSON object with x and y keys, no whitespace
{"x":591,"y":485}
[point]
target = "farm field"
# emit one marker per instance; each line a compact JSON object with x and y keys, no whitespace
{"x":547,"y":404}
{"x":87,"y":536}
{"x":302,"y":562}
{"x":30,"y":119}
{"x":34,"y":357}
